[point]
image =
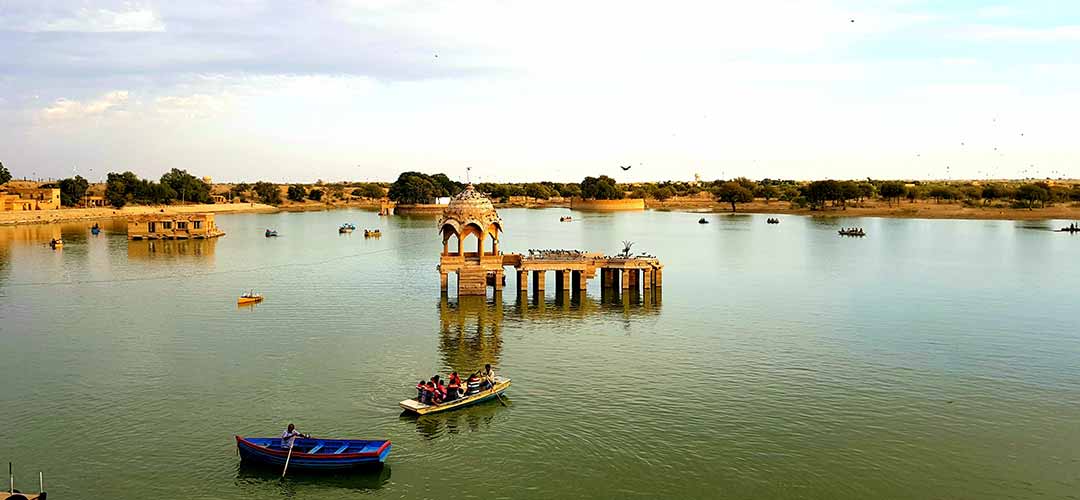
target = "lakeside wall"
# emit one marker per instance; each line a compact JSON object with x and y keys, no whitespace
{"x":608,"y":205}
{"x":419,"y":209}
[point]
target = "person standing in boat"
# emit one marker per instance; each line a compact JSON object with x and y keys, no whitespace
{"x":289,"y":436}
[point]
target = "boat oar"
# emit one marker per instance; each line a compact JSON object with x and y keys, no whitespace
{"x":287,"y":457}
{"x":497,"y":395}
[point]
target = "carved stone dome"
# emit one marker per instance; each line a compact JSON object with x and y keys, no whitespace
{"x":470,"y":207}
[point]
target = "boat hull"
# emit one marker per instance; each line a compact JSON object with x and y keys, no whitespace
{"x":418,"y":408}
{"x":260,"y":451}
{"x":243,"y":301}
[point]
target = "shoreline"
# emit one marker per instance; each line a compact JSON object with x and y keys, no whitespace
{"x":902,"y":210}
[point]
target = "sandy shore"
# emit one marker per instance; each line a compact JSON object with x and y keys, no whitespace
{"x":905,"y":209}
{"x":81,"y":214}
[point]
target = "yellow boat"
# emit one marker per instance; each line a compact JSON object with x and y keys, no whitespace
{"x":56,"y":243}
{"x":414,"y":406}
{"x":249,"y":298}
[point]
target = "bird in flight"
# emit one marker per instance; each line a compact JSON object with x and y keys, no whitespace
{"x":628,"y":167}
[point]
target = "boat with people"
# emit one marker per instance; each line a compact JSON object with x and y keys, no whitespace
{"x":1071,"y":228}
{"x":56,"y":243}
{"x":346,"y":228}
{"x":271,"y":233}
{"x":95,"y":229}
{"x":249,"y":297}
{"x":372,"y":233}
{"x":566,"y":218}
{"x":313,"y":454}
{"x":702,"y":221}
{"x":772,"y":220}
{"x":852,"y":231}
{"x":14,"y":494}
{"x":434,"y":397}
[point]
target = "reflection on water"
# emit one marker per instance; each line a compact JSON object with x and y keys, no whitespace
{"x":171,"y":249}
{"x":70,"y":232}
{"x":475,"y":418}
{"x":470,"y":333}
{"x":266,"y":482}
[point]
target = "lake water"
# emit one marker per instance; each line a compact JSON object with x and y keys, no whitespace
{"x":930,"y":359}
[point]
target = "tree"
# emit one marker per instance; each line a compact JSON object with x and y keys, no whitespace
{"x":1031,"y":194}
{"x":414,"y":188}
{"x":538,"y":191}
{"x":240,"y":191}
{"x":600,"y":188}
{"x":268,"y":193}
{"x":992,"y":192}
{"x":847,"y":190}
{"x":186,"y":186}
{"x":818,"y":192}
{"x":569,"y":190}
{"x":664,"y":193}
{"x":444,"y":186}
{"x":72,"y":190}
{"x":4,"y":174}
{"x":296,"y":193}
{"x":368,"y":190}
{"x":315,"y":194}
{"x":892,"y":190}
{"x":733,"y":192}
{"x":866,"y":191}
{"x":746,"y":183}
{"x":767,"y":191}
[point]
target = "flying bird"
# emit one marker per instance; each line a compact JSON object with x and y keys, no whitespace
{"x":628,"y":167}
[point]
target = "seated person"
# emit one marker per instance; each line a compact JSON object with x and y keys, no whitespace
{"x":472,"y":385}
{"x":488,"y":377}
{"x":420,"y":391}
{"x":453,"y":387}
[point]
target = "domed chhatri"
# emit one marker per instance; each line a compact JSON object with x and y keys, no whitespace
{"x":470,"y":207}
{"x":471,"y":215}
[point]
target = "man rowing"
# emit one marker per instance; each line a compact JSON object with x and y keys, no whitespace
{"x":289,"y":436}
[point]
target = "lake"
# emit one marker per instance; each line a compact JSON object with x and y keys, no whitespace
{"x":930,"y":359}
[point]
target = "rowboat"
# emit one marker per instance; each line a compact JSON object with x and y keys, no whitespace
{"x":14,"y":494}
{"x":312,"y":453}
{"x":372,"y":233}
{"x":271,"y":233}
{"x":414,"y":406}
{"x":249,"y":298}
{"x":56,"y":243}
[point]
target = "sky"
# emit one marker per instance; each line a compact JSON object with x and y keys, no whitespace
{"x":295,"y":91}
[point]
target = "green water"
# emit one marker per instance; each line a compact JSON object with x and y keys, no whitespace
{"x":931,"y":359}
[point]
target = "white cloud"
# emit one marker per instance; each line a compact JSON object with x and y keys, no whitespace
{"x":1014,"y":34}
{"x":65,"y":109}
{"x":103,"y":21}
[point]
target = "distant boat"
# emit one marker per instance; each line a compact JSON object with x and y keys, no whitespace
{"x":373,"y":233}
{"x":414,"y":406}
{"x":95,"y":230}
{"x":346,"y":228}
{"x":271,"y":233}
{"x":702,"y":221}
{"x":852,"y":232}
{"x":249,"y":298}
{"x":772,"y":221}
{"x":313,"y":454}
{"x":566,"y":219}
{"x":56,"y":243}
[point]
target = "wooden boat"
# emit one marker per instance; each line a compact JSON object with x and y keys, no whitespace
{"x":271,"y":233}
{"x":95,"y":230}
{"x":14,"y":494}
{"x":346,"y":228}
{"x":249,"y":298}
{"x":852,"y":232}
{"x":373,"y":233}
{"x":414,"y":406}
{"x":313,"y":453}
{"x":702,"y":221}
{"x":56,"y":243}
{"x":566,"y":219}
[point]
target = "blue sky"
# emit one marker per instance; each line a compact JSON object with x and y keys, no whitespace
{"x":518,"y":90}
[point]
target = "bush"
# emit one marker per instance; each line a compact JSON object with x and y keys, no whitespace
{"x":296,"y":193}
{"x":315,"y":194}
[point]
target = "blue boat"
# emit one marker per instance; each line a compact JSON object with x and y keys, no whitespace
{"x":314,"y":454}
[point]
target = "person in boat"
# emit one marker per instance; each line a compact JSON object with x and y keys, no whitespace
{"x":289,"y":436}
{"x":420,"y":391}
{"x":472,"y":384}
{"x":433,"y":395}
{"x":453,"y":387}
{"x":439,"y":387}
{"x":488,"y":377}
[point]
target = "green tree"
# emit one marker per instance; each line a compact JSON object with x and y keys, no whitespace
{"x":239,"y":191}
{"x":569,"y":190}
{"x":72,"y":190}
{"x":296,"y":193}
{"x":600,"y":188}
{"x":991,"y":192}
{"x":315,"y":194}
{"x":733,"y":192}
{"x":746,"y":183}
{"x":186,"y":186}
{"x":866,"y":191}
{"x":892,"y":190}
{"x":847,"y":190}
{"x":1032,"y":194}
{"x":414,"y":188}
{"x":767,"y":191}
{"x":4,"y":174}
{"x":538,"y":191}
{"x":368,"y":190}
{"x":444,"y":186}
{"x":664,"y":193}
{"x":268,"y":193}
{"x":819,"y":192}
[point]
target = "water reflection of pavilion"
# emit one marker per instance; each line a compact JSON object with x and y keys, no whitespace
{"x":171,"y":249}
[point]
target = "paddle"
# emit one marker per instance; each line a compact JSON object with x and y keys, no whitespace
{"x":497,"y":395}
{"x":287,"y":457}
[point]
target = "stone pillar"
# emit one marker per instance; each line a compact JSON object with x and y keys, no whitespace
{"x":523,"y":281}
{"x":538,"y":280}
{"x":500,"y":279}
{"x":624,"y":278}
{"x":564,"y":279}
{"x":445,"y":246}
{"x":658,"y":279}
{"x":646,"y":279}
{"x":634,"y":273}
{"x":583,"y":281}
{"x":443,"y":282}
